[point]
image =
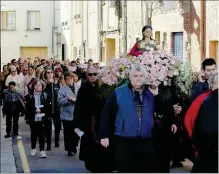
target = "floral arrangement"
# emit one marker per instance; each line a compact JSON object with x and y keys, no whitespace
{"x":116,"y":70}
{"x":161,"y":68}
{"x":185,"y":79}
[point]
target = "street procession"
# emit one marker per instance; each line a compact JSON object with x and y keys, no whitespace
{"x":144,"y":104}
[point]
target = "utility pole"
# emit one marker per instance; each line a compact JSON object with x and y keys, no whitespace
{"x":100,"y":29}
{"x":125,"y":26}
{"x":82,"y":32}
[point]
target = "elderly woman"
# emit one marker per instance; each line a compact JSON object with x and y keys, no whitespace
{"x":130,"y":110}
{"x":14,"y":77}
{"x":66,"y":100}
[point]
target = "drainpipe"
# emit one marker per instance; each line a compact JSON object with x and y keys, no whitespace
{"x":87,"y":40}
{"x":146,"y":14}
{"x":99,"y":26}
{"x":125,"y":26}
{"x":203,"y":34}
{"x":142,"y":14}
{"x":82,"y":32}
{"x":53,"y":32}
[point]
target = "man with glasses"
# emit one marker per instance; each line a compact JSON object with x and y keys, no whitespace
{"x":86,"y":118}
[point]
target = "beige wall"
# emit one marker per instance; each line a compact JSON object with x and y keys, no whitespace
{"x":212,"y":28}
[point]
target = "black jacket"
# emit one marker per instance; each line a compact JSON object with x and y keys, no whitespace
{"x":52,"y":90}
{"x":205,"y":133}
{"x":31,"y":109}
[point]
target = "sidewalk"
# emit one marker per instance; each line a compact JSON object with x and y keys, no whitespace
{"x":7,"y":157}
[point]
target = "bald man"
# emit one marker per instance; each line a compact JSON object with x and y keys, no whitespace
{"x":87,"y":112}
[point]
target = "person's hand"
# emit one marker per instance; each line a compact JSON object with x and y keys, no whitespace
{"x":154,"y":90}
{"x":177,"y":109}
{"x":104,"y":142}
{"x":38,"y":110}
{"x":200,"y":77}
{"x":76,"y":130}
{"x":70,"y":98}
{"x":173,"y":128}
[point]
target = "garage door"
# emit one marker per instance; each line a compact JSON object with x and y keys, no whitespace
{"x":33,"y":52}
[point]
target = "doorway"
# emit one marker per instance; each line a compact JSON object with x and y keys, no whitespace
{"x":213,"y":50}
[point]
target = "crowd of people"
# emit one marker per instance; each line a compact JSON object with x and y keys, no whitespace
{"x":137,"y":129}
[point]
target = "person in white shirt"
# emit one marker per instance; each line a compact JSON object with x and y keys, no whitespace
{"x":14,"y":77}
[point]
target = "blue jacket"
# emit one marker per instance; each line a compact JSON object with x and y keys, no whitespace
{"x":127,"y":123}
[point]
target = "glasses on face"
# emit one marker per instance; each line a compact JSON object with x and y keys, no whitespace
{"x":49,"y":72}
{"x":92,"y":74}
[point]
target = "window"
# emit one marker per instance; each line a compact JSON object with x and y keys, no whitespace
{"x":33,"y":22}
{"x":8,"y":20}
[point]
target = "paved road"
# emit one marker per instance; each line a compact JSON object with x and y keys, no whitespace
{"x":57,"y":160}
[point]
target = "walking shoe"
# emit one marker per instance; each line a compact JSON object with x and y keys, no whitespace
{"x":43,"y":154}
{"x":71,"y":153}
{"x":7,"y":135}
{"x":16,"y":134}
{"x":33,"y":152}
{"x":48,"y":148}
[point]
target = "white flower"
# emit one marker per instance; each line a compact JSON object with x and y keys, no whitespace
{"x":148,"y":48}
{"x":176,"y":73}
{"x":151,"y":49}
{"x":165,"y":83}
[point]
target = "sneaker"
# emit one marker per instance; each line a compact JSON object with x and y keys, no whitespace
{"x":16,"y":134}
{"x":48,"y":148}
{"x":7,"y":135}
{"x":43,"y":154}
{"x":33,"y":152}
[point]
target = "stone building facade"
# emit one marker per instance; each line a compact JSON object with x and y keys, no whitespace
{"x":212,"y":29}
{"x":176,"y":26}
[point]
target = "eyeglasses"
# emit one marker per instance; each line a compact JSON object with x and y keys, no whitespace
{"x":92,"y":74}
{"x":49,"y":72}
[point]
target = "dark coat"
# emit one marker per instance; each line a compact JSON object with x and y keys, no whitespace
{"x":164,"y":111}
{"x":52,"y":90}
{"x":31,"y":109}
{"x":205,"y":134}
{"x":87,"y":111}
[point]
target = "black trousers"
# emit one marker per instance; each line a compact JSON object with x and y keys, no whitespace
{"x":9,"y":117}
{"x":70,"y":137}
{"x":48,"y":128}
{"x":37,"y":132}
{"x":134,"y":156}
{"x":206,"y":162}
